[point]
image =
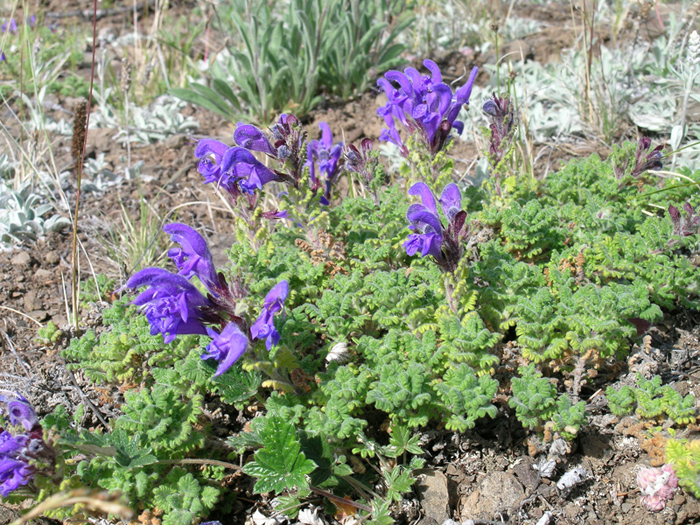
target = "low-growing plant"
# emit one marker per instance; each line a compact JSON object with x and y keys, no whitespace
{"x":537,"y":405}
{"x":146,"y":124}
{"x":22,"y":214}
{"x":354,"y":322}
{"x":650,"y":400}
{"x":684,"y":455}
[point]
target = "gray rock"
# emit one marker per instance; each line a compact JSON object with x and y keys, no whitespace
{"x":434,"y":497}
{"x":497,"y":492}
{"x":30,"y":301}
{"x":21,"y":259}
{"x":44,"y":275}
{"x":526,"y":473}
{"x":52,"y":258}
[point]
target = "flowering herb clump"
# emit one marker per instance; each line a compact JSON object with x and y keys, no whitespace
{"x":174,"y":306}
{"x":422,"y":104}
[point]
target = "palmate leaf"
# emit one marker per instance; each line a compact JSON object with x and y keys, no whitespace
{"x":279,"y":465}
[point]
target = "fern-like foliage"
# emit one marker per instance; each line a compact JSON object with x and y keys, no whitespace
{"x":651,"y":399}
{"x":684,"y":455}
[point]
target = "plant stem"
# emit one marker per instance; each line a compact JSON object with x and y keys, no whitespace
{"x":74,"y":253}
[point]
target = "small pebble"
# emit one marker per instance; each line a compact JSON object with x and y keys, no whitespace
{"x":52,"y":258}
{"x":21,"y":259}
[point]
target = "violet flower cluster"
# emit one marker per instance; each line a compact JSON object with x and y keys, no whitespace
{"x":423,"y":104}
{"x":9,"y":26}
{"x":432,"y":237}
{"x":20,"y":452}
{"x":174,"y":306}
{"x":264,"y":327}
{"x":237,"y":171}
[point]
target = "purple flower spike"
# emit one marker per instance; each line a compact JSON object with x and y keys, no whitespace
{"x":327,"y":155}
{"x":171,"y":304}
{"x":31,"y":21}
{"x":687,"y":225}
{"x":431,"y":237}
{"x":253,"y":139}
{"x":424,"y":104}
{"x":264,"y":326}
{"x":3,"y":58}
{"x":226,"y":347}
{"x":194,"y":257}
{"x":646,"y":160}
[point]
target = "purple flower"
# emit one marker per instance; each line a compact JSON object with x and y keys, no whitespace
{"x":424,"y":104}
{"x":646,"y":160}
{"x":10,"y":26}
{"x":264,"y":326}
{"x":226,"y":347}
{"x":275,"y":214}
{"x":3,"y":58}
{"x":253,"y":139}
{"x":19,"y":452}
{"x":288,"y":137}
{"x":502,"y":116}
{"x":359,"y":160}
{"x":14,"y":473}
{"x":21,"y":412}
{"x":327,"y":155}
{"x":241,"y":168}
{"x":171,"y":304}
{"x":194,"y":257}
{"x":432,"y":237}
{"x":31,"y":21}
{"x":210,"y":152}
{"x":684,"y":226}
{"x":425,"y":220}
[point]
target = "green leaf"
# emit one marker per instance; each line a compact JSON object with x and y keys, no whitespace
{"x":401,"y":441}
{"x":279,"y":465}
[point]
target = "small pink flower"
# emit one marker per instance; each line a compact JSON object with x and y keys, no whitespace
{"x":657,"y":486}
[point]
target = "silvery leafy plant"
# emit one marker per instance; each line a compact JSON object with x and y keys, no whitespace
{"x":22,"y":214}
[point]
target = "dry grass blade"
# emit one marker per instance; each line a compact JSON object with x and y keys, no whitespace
{"x":93,"y":500}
